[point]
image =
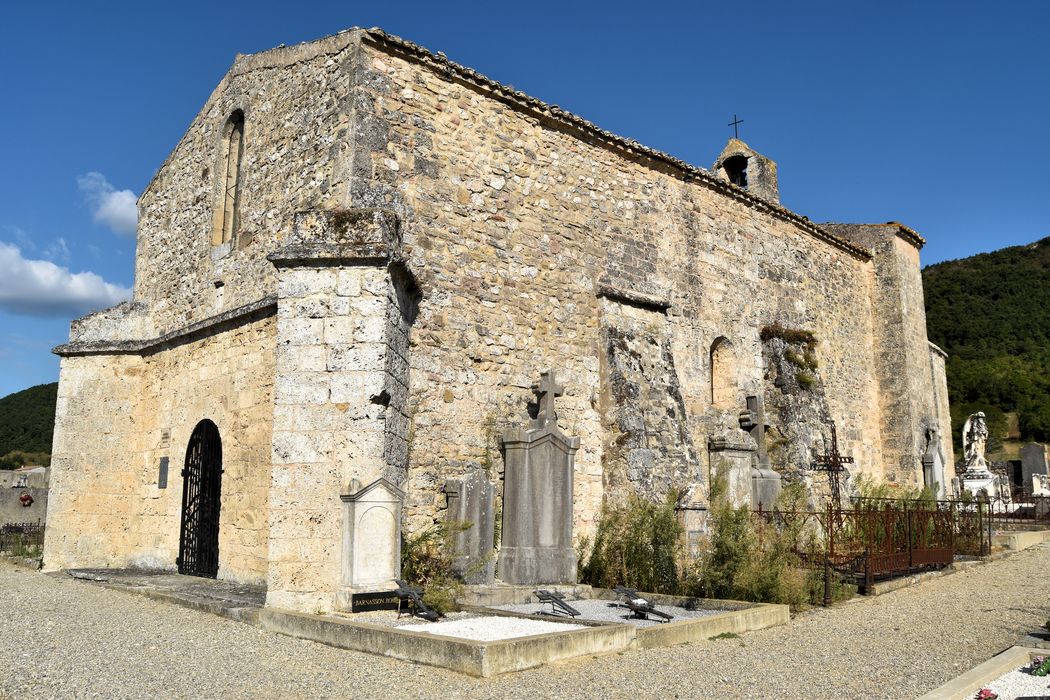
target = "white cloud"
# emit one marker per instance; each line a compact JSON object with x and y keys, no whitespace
{"x":42,"y":288}
{"x":114,"y":208}
{"x":58,"y":250}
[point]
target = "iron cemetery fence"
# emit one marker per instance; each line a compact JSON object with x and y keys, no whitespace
{"x":1020,"y":513}
{"x":22,"y":539}
{"x":880,"y":538}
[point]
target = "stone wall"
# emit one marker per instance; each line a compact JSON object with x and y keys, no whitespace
{"x":517,"y":228}
{"x":296,"y":135}
{"x":345,"y":307}
{"x":911,"y":401}
{"x":119,"y":414}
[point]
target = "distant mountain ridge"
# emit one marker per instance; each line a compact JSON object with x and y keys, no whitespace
{"x":991,"y":314}
{"x":27,"y":420}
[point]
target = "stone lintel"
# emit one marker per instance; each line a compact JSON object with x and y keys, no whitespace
{"x":341,"y":237}
{"x":724,"y":445}
{"x":631,"y":297}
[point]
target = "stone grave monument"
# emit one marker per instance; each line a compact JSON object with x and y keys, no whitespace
{"x":538,"y":496}
{"x":371,"y":538}
{"x":976,"y":477}
{"x":1035,"y":467}
{"x":933,"y":464}
{"x":765,"y":482}
{"x":471,"y":506}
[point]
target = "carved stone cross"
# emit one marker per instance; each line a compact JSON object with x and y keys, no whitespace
{"x":548,"y":390}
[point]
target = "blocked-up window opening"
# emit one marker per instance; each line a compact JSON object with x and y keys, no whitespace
{"x":722,"y":386}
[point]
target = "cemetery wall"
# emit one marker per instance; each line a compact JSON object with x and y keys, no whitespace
{"x":119,"y":414}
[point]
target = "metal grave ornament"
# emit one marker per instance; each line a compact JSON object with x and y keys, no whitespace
{"x":834,"y":464}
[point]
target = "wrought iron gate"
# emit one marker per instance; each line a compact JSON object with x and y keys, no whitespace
{"x":201,"y":486}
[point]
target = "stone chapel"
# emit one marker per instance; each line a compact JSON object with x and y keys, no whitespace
{"x":353,"y":271}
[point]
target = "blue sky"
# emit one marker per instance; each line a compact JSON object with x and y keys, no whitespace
{"x":936,"y":114}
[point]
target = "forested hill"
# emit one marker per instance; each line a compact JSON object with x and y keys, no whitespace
{"x":991,"y":314}
{"x":27,"y":420}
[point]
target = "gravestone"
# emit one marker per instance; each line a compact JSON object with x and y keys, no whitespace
{"x":692,"y":515}
{"x":371,"y":538}
{"x":538,"y":496}
{"x":765,"y":482}
{"x":933,"y":464}
{"x":472,"y":500}
{"x":1034,"y":463}
{"x":732,"y":462}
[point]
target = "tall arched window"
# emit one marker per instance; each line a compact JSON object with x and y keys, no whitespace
{"x":227,"y":206}
{"x":723,"y":389}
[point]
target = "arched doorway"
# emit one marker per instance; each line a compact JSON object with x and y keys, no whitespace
{"x":201,"y":488}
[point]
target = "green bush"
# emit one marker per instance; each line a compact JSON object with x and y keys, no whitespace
{"x":637,"y":544}
{"x":759,"y":562}
{"x":426,"y":561}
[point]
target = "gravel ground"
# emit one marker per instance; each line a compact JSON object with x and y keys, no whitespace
{"x":601,"y":611}
{"x":62,"y":638}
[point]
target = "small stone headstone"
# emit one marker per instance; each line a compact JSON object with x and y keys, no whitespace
{"x":472,"y":500}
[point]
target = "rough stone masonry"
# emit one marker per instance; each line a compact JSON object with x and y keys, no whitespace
{"x":359,"y":259}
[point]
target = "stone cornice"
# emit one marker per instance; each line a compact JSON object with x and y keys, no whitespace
{"x":726,"y":445}
{"x":908,"y":234}
{"x":591,"y":133}
{"x":242,"y":314}
{"x":341,"y":237}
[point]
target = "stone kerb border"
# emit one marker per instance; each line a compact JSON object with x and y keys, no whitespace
{"x":474,"y":658}
{"x":738,"y":616}
{"x":977,"y":677}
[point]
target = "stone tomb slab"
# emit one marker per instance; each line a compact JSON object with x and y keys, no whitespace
{"x":696,"y":619}
{"x":509,"y":645}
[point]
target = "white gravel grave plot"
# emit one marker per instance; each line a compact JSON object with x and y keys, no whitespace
{"x":602,"y":611}
{"x":389,"y":618}
{"x":492,"y":628}
{"x":1017,"y":684}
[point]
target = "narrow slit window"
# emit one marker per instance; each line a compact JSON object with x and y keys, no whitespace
{"x":227,"y":213}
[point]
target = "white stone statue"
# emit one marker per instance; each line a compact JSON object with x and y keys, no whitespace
{"x":976,"y":477}
{"x":975,"y":440}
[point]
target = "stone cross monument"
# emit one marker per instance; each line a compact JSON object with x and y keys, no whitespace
{"x":765,"y":482}
{"x":537,"y":497}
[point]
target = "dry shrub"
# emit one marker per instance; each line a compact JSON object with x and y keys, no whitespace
{"x":637,"y":544}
